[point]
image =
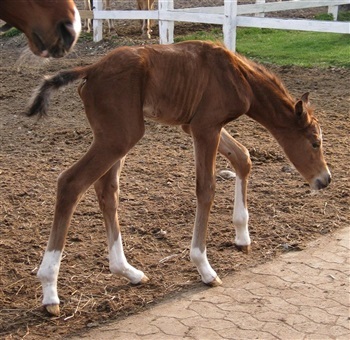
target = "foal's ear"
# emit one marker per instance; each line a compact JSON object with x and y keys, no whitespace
{"x":305,"y":98}
{"x":300,"y":106}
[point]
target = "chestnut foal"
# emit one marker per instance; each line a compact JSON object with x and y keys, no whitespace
{"x":200,"y":86}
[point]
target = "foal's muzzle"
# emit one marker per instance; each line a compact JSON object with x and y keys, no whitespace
{"x":322,"y":182}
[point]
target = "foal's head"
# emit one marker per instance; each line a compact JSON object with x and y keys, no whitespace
{"x":52,"y":27}
{"x":302,"y":143}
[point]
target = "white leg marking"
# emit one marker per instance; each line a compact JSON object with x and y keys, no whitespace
{"x":200,"y":259}
{"x":120,"y":266}
{"x":240,"y":216}
{"x":48,"y":274}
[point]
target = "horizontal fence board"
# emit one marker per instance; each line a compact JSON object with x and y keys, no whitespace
{"x":208,"y":18}
{"x":295,"y":24}
{"x":132,"y":15}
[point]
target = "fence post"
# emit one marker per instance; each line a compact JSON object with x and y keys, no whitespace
{"x":97,"y":25}
{"x":261,"y":15}
{"x":334,"y":11}
{"x":166,"y":27}
{"x":230,"y":24}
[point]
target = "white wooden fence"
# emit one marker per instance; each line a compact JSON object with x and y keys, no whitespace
{"x":230,"y":16}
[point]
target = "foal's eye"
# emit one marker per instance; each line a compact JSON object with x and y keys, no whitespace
{"x":316,"y":145}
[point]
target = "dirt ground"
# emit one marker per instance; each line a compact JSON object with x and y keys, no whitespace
{"x":157,"y":194}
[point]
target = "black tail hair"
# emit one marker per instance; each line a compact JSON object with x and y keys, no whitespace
{"x":40,"y":100}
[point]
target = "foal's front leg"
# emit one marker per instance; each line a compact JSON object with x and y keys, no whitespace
{"x":107,"y":190}
{"x":205,"y":145}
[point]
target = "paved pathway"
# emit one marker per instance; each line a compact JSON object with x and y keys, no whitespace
{"x":300,"y":295}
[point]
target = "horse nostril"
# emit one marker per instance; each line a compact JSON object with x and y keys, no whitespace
{"x":68,"y":34}
{"x":329,"y":179}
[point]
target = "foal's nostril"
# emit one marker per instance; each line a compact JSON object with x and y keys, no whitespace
{"x":68,"y":34}
{"x":329,"y":179}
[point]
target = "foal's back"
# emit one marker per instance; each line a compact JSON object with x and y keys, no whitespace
{"x":179,"y":82}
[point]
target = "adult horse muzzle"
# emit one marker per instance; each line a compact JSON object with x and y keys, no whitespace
{"x":66,"y":36}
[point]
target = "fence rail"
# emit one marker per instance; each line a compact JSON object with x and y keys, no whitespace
{"x":229,"y":16}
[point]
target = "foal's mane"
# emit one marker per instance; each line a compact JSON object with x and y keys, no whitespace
{"x":262,"y":74}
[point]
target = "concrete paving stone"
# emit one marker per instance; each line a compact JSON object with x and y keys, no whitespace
{"x":203,"y":334}
{"x":170,"y":326}
{"x":317,"y":314}
{"x":341,"y":295}
{"x":172,"y":310}
{"x":327,"y":331}
{"x":276,"y":270}
{"x":159,"y":336}
{"x":337,"y":331}
{"x":253,"y":308}
{"x":268,"y":315}
{"x":301,"y":269}
{"x":282,"y":330}
{"x":343,"y":337}
{"x":339,"y":282}
{"x":279,"y":304}
{"x":215,"y":299}
{"x":329,"y":257}
{"x":344,"y":320}
{"x":271,"y":281}
{"x":239,"y":334}
{"x":244,"y":320}
{"x":207,"y":310}
{"x":307,"y":289}
{"x":253,"y":285}
{"x":199,"y":321}
{"x":297,"y":321}
{"x":311,"y":302}
{"x":240,"y":295}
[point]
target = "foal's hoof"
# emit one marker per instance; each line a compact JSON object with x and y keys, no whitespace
{"x":215,"y":283}
{"x":53,"y":310}
{"x":144,"y":279}
{"x":244,"y":249}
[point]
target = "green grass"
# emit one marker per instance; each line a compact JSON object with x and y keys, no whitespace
{"x":288,"y":47}
{"x":11,"y":32}
{"x":295,"y":47}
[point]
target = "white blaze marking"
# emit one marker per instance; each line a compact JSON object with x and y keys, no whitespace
{"x":120,"y":266}
{"x":200,"y":259}
{"x":76,"y":24}
{"x":240,"y":216}
{"x":48,"y":274}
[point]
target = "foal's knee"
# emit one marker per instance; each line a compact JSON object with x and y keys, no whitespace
{"x":205,"y":192}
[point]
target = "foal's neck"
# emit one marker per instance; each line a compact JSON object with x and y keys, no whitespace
{"x":271,"y":105}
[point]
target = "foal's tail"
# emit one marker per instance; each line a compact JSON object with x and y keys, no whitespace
{"x":40,"y":100}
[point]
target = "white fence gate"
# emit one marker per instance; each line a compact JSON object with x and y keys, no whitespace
{"x":230,"y":16}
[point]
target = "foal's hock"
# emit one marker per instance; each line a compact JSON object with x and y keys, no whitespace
{"x":200,"y":86}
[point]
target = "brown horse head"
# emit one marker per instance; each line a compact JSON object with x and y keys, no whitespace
{"x":303,"y":145}
{"x":52,"y":27}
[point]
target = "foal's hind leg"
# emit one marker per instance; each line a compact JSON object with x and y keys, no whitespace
{"x":72,"y":184}
{"x":239,"y":158}
{"x":107,"y":190}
